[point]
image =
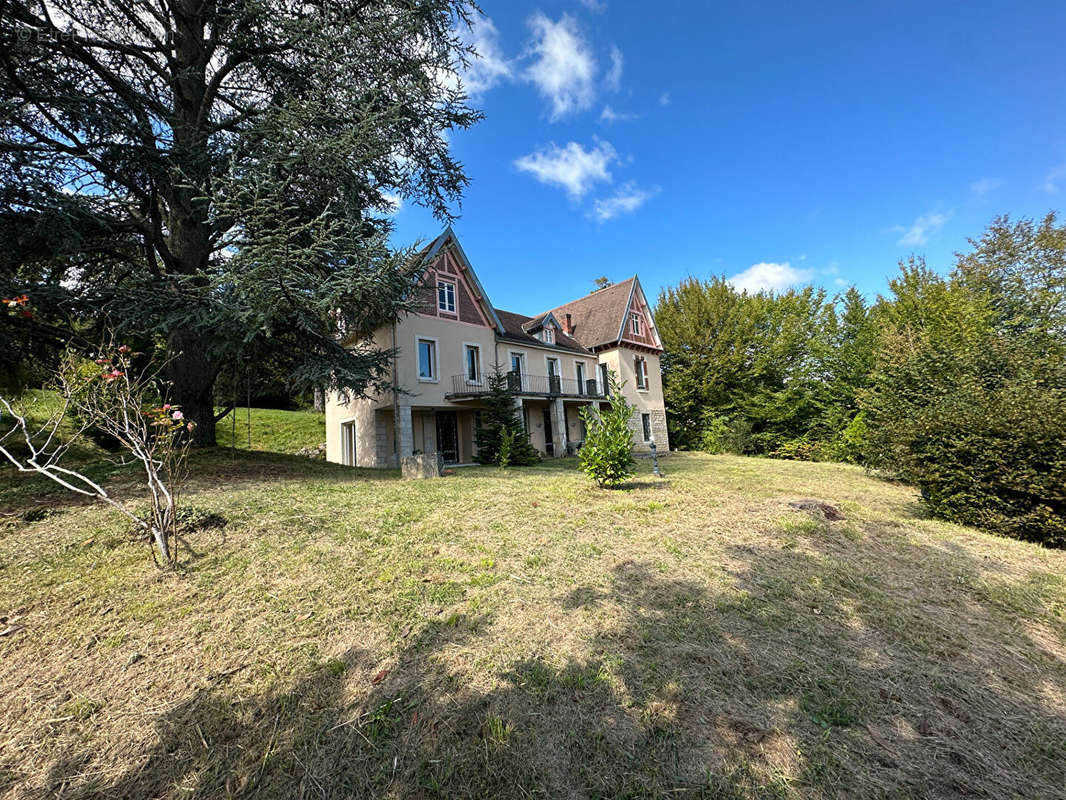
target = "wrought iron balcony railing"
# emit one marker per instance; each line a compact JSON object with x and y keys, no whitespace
{"x":472,"y":385}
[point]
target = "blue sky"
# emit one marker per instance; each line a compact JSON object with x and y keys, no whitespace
{"x":777,"y":144}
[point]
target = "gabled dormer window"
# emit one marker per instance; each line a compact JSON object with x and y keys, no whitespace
{"x":635,"y":324}
{"x":548,"y":335}
{"x":446,"y":296}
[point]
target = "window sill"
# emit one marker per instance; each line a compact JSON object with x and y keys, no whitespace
{"x":429,"y":380}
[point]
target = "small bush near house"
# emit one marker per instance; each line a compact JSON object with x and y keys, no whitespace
{"x":607,"y":455}
{"x":501,"y":437}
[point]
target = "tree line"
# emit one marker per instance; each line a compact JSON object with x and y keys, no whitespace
{"x":955,"y":383}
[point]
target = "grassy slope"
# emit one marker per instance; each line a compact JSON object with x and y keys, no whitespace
{"x":272,"y":430}
{"x":521,"y":633}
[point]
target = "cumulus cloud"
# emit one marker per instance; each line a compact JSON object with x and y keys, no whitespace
{"x":919,"y":231}
{"x":613,"y":79}
{"x":1055,"y":174}
{"x":564,"y":69}
{"x":627,"y":200}
{"x":489,"y":67}
{"x":984,"y":186}
{"x":595,"y":6}
{"x":572,"y":167}
{"x":769,"y":277}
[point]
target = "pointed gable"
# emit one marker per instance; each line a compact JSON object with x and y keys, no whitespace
{"x":445,"y":262}
{"x":599,"y":319}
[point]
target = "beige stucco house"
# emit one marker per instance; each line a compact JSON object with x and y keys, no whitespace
{"x":556,"y":362}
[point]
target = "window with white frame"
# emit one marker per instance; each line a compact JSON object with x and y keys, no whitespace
{"x":640,"y":366}
{"x":427,"y":360}
{"x":605,"y":381}
{"x":473,"y":363}
{"x":635,"y":323}
{"x":548,"y":335}
{"x":553,"y":367}
{"x":579,"y":370}
{"x":517,"y":363}
{"x":446,"y":296}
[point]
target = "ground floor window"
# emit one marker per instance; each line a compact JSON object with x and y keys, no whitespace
{"x":645,"y":423}
{"x":348,"y":443}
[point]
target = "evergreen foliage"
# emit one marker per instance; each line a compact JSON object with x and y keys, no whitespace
{"x":607,"y":454}
{"x":501,"y":437}
{"x":968,"y":397}
{"x":213,"y":180}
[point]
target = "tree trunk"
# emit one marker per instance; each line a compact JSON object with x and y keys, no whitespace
{"x":192,"y":379}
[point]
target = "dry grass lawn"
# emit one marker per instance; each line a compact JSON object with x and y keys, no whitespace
{"x":524,"y":634}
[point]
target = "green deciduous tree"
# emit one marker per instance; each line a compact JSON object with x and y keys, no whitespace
{"x":214,"y":177}
{"x":763,"y":373}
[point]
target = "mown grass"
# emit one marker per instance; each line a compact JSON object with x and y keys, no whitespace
{"x":521,"y":633}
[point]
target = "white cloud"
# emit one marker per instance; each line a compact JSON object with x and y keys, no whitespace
{"x":919,"y":231}
{"x":664,"y":99}
{"x":625,"y":201}
{"x":564,"y":70}
{"x":613,"y":79}
{"x":393,"y":202}
{"x":595,"y":6}
{"x":610,"y":115}
{"x":572,"y":167}
{"x":769,"y":277}
{"x":984,"y":186}
{"x":489,"y":67}
{"x":1055,"y":174}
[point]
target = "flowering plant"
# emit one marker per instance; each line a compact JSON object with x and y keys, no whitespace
{"x":112,"y":394}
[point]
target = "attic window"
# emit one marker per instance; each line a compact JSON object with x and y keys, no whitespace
{"x":446,"y":296}
{"x":548,"y":335}
{"x":634,"y":323}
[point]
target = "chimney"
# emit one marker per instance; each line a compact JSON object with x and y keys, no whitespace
{"x":569,"y":325}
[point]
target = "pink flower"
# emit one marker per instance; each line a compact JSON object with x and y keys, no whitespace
{"x":177,"y":415}
{"x":166,"y":406}
{"x":124,"y":348}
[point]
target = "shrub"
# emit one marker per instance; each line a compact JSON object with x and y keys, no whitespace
{"x":607,"y":454}
{"x":501,"y":437}
{"x":726,"y":435}
{"x":967,"y":400}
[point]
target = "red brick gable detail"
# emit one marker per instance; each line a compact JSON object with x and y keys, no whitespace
{"x":466,"y":307}
{"x":646,"y":337}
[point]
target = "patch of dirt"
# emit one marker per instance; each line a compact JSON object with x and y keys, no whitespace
{"x":828,"y":512}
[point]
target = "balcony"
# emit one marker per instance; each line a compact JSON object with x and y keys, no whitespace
{"x":465,"y":386}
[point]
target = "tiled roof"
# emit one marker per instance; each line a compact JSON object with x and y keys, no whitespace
{"x":514,"y":329}
{"x":597,"y":317}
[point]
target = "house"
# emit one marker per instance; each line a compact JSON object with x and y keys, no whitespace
{"x":555,"y":362}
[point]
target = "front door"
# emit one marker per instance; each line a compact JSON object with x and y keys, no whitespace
{"x":447,"y":436}
{"x":549,"y":445}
